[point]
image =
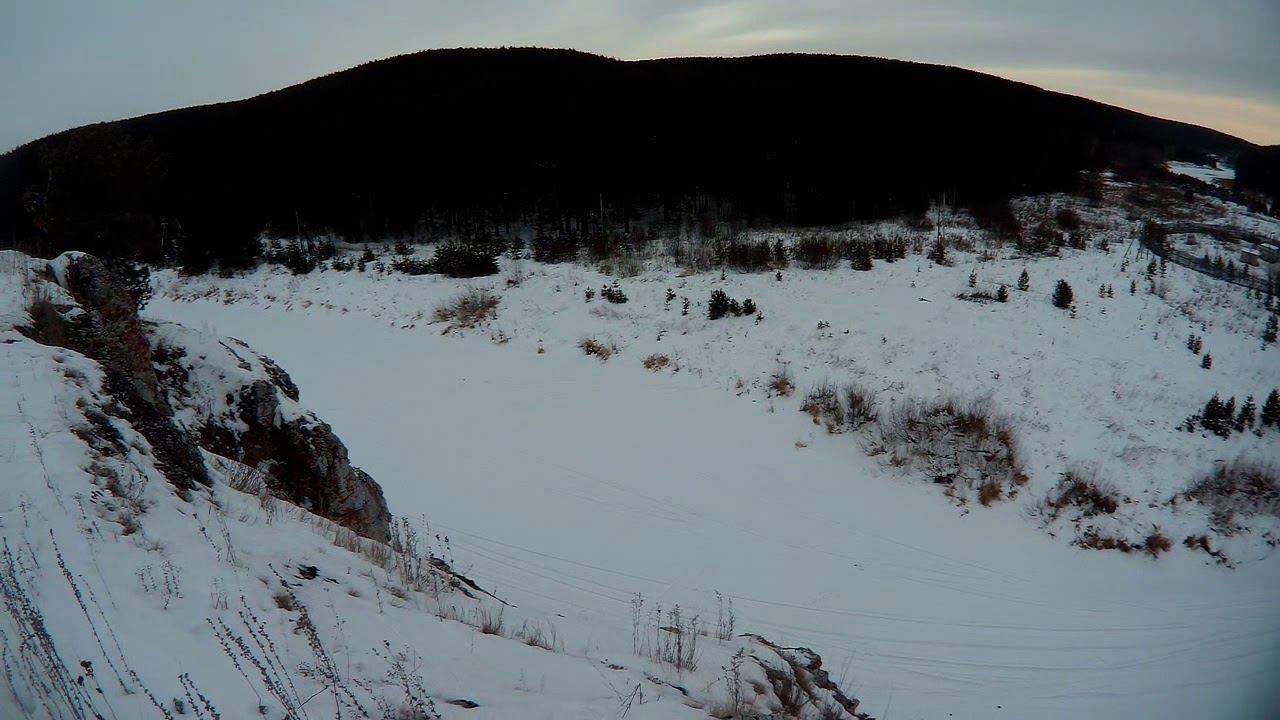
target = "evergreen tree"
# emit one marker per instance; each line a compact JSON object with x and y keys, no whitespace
{"x":1194,"y":343}
{"x":1002,"y":295}
{"x":1207,"y":362}
{"x":719,"y":305}
{"x":973,"y":278}
{"x":1273,"y":327}
{"x":1133,"y":287}
{"x":1248,"y":414}
{"x":1226,"y":420}
{"x":1211,"y":416}
{"x":1062,"y":295}
{"x":1024,"y":280}
{"x":1271,"y":410}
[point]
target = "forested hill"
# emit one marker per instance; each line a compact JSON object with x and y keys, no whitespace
{"x":475,"y":142}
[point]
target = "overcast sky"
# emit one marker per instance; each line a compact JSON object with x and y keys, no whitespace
{"x":65,"y":63}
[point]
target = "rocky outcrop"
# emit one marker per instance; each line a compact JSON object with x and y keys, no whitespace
{"x":243,"y":406}
{"x":104,"y":326}
{"x":801,"y":684}
{"x":184,"y":390}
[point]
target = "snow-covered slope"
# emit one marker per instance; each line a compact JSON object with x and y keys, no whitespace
{"x":571,"y":484}
{"x":127,"y":596}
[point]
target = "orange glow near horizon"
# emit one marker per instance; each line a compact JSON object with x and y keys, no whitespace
{"x":1247,"y":118}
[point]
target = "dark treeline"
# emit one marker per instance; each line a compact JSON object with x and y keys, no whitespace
{"x":1259,"y":168}
{"x":476,"y":143}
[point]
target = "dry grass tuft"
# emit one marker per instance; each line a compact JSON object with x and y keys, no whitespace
{"x":989,"y":492}
{"x":655,"y":362}
{"x":1157,"y":543}
{"x":844,"y":408}
{"x":963,"y":445}
{"x":1081,"y":490}
{"x":490,"y":621}
{"x":781,"y":383}
{"x":591,"y":346}
{"x":467,"y":309}
{"x":1091,"y":539}
{"x":1243,"y":487}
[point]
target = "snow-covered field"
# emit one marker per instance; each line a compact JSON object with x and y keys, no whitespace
{"x":568,"y":485}
{"x":123,"y":600}
{"x":1202,"y":173}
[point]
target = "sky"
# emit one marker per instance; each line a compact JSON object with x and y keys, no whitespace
{"x":65,"y":63}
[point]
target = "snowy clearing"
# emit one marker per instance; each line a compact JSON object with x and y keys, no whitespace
{"x":569,"y":484}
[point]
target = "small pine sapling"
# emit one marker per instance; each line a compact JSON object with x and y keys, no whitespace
{"x":1207,"y":362}
{"x":1002,"y":295}
{"x":1024,"y":281}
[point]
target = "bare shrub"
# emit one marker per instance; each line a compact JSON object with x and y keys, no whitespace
{"x":591,"y":346}
{"x":677,"y":642}
{"x":1201,"y":542}
{"x":467,"y":309}
{"x":1241,"y":487}
{"x":748,"y":256}
{"x":1092,"y":539}
{"x":48,"y":326}
{"x":859,"y":404}
{"x":32,"y":662}
{"x":1080,"y":490}
{"x":823,"y":405}
{"x":403,"y":672}
{"x":840,"y":408}
{"x":820,"y":252}
{"x":963,"y":445}
{"x":246,"y":479}
{"x":655,"y":362}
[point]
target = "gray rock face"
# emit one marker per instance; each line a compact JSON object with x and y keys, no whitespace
{"x":243,"y":406}
{"x":108,"y":330}
{"x":185,"y":390}
{"x":306,"y":462}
